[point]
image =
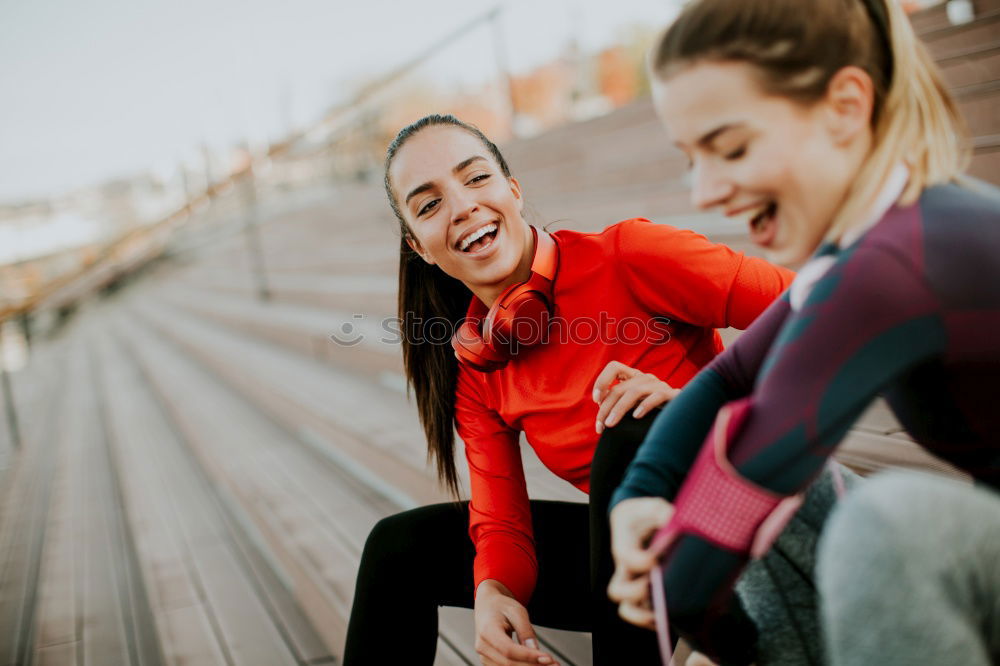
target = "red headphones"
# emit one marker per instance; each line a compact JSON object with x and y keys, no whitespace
{"x":486,"y":339}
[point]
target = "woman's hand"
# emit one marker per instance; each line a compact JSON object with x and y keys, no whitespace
{"x":633,"y":523}
{"x":632,"y":388}
{"x":498,"y":615}
{"x":698,"y":659}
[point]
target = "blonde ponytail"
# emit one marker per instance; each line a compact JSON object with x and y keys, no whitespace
{"x":918,"y":124}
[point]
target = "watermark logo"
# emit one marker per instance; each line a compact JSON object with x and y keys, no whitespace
{"x":350,"y":333}
{"x":604,"y":329}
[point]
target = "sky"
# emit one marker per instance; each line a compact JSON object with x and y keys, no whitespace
{"x":105,"y":88}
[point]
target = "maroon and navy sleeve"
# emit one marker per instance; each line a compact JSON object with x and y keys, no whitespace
{"x":870,"y":319}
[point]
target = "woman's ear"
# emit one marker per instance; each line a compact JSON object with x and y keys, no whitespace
{"x":515,"y":188}
{"x":849,"y":103}
{"x":416,"y":247}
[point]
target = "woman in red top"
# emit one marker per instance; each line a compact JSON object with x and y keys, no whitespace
{"x":638,"y":303}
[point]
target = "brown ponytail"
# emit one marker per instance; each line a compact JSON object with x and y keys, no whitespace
{"x":427,"y":295}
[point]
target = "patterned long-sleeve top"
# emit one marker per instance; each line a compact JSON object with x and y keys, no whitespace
{"x":911,"y":310}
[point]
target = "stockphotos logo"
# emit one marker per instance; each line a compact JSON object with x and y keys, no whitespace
{"x":604,"y":329}
{"x":350,"y":333}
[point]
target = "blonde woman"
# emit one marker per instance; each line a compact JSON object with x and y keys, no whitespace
{"x":824,"y":127}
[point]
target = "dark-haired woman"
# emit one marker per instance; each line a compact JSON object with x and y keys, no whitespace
{"x":827,"y":126}
{"x":637,"y":304}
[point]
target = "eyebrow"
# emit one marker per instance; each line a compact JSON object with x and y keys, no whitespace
{"x":707,"y":138}
{"x":458,"y":168}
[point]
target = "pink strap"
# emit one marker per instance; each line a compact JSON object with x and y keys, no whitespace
{"x":838,"y":478}
{"x":660,"y":614}
{"x":721,"y":506}
{"x":715,"y":502}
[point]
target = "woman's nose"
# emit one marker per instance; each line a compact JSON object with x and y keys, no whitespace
{"x":709,"y":187}
{"x":463,"y":206}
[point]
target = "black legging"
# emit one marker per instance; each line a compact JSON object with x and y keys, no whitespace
{"x":418,"y":560}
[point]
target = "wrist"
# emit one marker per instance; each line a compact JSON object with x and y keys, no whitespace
{"x":492,"y":586}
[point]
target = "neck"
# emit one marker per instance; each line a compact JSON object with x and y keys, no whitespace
{"x":488,"y":294}
{"x":882,"y":200}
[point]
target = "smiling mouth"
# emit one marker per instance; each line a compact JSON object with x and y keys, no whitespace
{"x":763,"y":224}
{"x":479,"y":239}
{"x":765,"y":215}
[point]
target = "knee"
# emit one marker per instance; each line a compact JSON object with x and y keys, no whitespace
{"x":882,"y":510}
{"x":390,"y":541}
{"x":870,"y":530}
{"x":615,"y":450}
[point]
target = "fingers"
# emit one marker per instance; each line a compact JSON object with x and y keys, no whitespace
{"x":635,"y":560}
{"x":612,"y":372}
{"x":526,"y":634}
{"x":633,"y":522}
{"x":698,"y":659}
{"x":626,"y":587}
{"x":504,"y":651}
{"x":491,"y":656}
{"x":633,"y":598}
{"x":637,"y":615}
{"x":653,"y":400}
{"x":495,"y":645}
{"x":632,"y":388}
{"x":619,"y":400}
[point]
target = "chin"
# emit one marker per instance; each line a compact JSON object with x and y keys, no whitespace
{"x":788,"y":255}
{"x":496,"y":273}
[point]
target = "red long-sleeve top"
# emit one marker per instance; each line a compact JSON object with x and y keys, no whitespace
{"x":647,"y":295}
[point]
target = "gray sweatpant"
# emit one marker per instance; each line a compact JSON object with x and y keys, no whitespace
{"x":779,"y":590}
{"x":909,"y":573}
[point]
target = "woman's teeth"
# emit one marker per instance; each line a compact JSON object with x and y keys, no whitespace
{"x":762,"y":214}
{"x":476,"y":235}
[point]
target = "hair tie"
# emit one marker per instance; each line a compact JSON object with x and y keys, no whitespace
{"x":879,"y":15}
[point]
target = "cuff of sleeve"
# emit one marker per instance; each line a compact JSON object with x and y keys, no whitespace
{"x":623,"y":493}
{"x":508,"y":563}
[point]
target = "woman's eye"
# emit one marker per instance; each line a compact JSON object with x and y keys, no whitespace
{"x":478,"y":179}
{"x":428,"y":207}
{"x":737,"y":154}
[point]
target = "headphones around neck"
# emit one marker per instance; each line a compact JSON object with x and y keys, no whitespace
{"x":488,"y":338}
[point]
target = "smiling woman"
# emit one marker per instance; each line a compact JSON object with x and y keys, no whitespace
{"x":825,"y":126}
{"x":738,"y":137}
{"x":582,"y":402}
{"x":467,"y":219}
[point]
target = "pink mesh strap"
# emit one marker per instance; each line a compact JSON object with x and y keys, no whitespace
{"x":715,"y":502}
{"x":719,"y":505}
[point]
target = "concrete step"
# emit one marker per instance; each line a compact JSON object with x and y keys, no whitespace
{"x":945,"y":39}
{"x":79,"y":597}
{"x":216,"y":600}
{"x":24,"y":516}
{"x":322,"y":498}
{"x":369,"y":344}
{"x":971,"y":65}
{"x":936,"y":17}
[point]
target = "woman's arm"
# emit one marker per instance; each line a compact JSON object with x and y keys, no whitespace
{"x":499,"y":513}
{"x":681,"y":274}
{"x":505,"y":567}
{"x":870,"y":319}
{"x":639,"y":507}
